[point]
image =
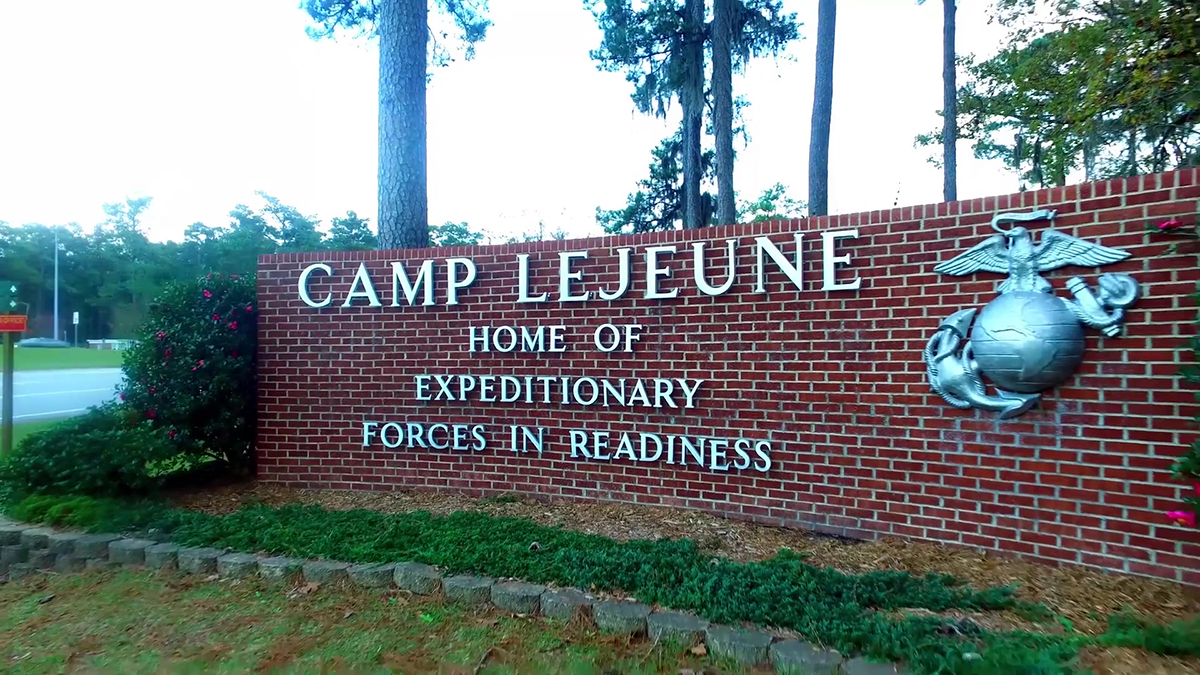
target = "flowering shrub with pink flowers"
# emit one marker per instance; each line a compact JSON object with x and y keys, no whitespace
{"x":1187,"y":468}
{"x":191,"y":376}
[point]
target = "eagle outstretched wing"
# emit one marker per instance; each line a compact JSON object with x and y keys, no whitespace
{"x":1059,"y":250}
{"x":990,"y":255}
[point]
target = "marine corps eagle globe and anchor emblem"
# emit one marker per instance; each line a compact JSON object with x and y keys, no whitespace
{"x":1026,"y":340}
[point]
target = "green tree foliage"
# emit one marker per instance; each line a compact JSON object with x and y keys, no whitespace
{"x":191,"y":374}
{"x":658,"y":203}
{"x":406,"y":39}
{"x":1109,"y":86}
{"x":773,"y":204}
{"x":659,"y":45}
{"x":454,"y":234}
{"x":111,"y":275}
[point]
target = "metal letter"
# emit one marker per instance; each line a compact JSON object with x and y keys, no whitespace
{"x":512,"y":339}
{"x":633,"y":333}
{"x":566,"y":276}
{"x":453,"y":283}
{"x":793,"y":272}
{"x":368,"y":432}
{"x":304,"y":285}
{"x":400,"y":281}
{"x":653,"y":272}
{"x":616,"y":337}
{"x":831,"y":261}
{"x":362,"y":278}
{"x":1027,"y":339}
{"x":623,"y":257}
{"x":698,"y":265}
{"x":523,"y":280}
{"x":483,"y":339}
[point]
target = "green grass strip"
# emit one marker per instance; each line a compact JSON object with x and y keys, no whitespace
{"x":845,"y":612}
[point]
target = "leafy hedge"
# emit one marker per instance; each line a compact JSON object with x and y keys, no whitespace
{"x":107,"y":451}
{"x":193,"y":372}
{"x":846,"y":612}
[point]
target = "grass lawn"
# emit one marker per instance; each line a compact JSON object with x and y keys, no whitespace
{"x":147,"y":622}
{"x":57,"y":359}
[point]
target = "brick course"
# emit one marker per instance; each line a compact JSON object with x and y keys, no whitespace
{"x":834,"y":380}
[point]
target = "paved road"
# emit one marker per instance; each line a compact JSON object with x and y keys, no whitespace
{"x":49,"y":394}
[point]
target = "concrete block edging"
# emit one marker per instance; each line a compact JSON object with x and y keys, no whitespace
{"x":746,"y":646}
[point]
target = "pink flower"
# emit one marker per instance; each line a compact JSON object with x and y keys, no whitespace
{"x":1196,"y":488}
{"x":160,"y":335}
{"x":199,"y":364}
{"x":1167,"y":225}
{"x":249,"y":308}
{"x":207,"y":293}
{"x":1185,"y":518}
{"x":216,"y":317}
{"x":121,"y":396}
{"x":233,"y":276}
{"x":150,"y":413}
{"x":208,"y":276}
{"x":152,"y":389}
{"x":171,"y":434}
{"x":233,"y":326}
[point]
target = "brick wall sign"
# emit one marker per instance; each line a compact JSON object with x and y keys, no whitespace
{"x":818,"y":374}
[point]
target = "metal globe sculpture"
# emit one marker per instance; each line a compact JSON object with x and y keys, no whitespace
{"x":1027,"y":342}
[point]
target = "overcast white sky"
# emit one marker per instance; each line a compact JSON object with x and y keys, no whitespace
{"x":199,"y":104}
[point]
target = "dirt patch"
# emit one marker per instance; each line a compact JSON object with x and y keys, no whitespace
{"x":1118,"y":661}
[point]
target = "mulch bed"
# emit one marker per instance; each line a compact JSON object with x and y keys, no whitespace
{"x":1083,"y":597}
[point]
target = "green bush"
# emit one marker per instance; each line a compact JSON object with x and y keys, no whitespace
{"x":104,"y":452}
{"x":192,"y":374}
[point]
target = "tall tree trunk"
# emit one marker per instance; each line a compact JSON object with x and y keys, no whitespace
{"x":818,"y":148}
{"x":693,"y":112}
{"x":403,"y":27}
{"x":949,"y":103}
{"x":722,"y":86}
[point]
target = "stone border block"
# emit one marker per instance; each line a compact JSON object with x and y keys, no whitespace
{"x":676,"y":628}
{"x":746,"y":647}
{"x":13,"y":554}
{"x":279,"y":569}
{"x":325,"y":571}
{"x":129,"y":551}
{"x":564,"y":604}
{"x":63,"y":542}
{"x":41,"y":559}
{"x":10,"y":535}
{"x":18,"y":571}
{"x":793,"y":657}
{"x":66,"y":563}
{"x":622,"y":618}
{"x":36,"y":537}
{"x":518,"y":597}
{"x":237,"y":565}
{"x":379,"y":575}
{"x":468,"y":590}
{"x":98,"y":564}
{"x":198,"y":560}
{"x":418,"y":578}
{"x":163,"y":557}
{"x":94,"y":545}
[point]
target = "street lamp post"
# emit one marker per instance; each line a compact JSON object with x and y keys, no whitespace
{"x":56,"y":284}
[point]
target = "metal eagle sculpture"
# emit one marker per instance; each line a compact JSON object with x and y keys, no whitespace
{"x":1027,"y":339}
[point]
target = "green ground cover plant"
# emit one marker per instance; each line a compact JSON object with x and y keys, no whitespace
{"x":860,"y":613}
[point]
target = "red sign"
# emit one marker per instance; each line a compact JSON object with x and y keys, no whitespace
{"x":12,"y":323}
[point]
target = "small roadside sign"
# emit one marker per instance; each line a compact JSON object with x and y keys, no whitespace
{"x":13,"y":323}
{"x":75,"y":318}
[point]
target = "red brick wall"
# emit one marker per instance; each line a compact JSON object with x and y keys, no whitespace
{"x":833,"y":380}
